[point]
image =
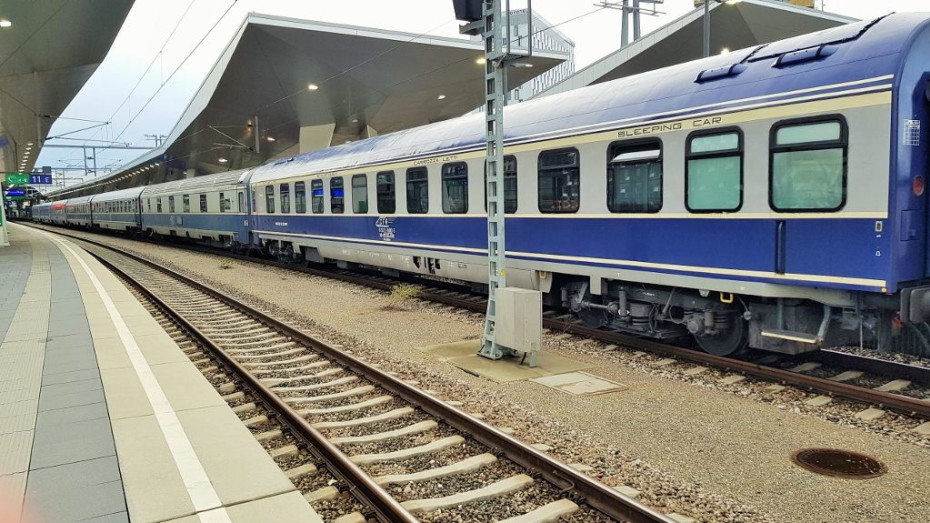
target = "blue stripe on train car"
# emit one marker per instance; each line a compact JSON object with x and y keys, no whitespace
{"x":232,"y":222}
{"x":126,"y":218}
{"x":833,"y":248}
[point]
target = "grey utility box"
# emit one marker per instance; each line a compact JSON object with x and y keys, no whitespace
{"x":519,"y":321}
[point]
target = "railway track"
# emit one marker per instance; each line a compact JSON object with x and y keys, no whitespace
{"x":365,"y":427}
{"x":835,"y":374}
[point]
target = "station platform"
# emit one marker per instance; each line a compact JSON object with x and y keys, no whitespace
{"x":103,"y":417}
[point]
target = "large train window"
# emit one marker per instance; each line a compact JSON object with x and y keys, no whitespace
{"x":269,"y":199}
{"x":634,"y":176}
{"x":360,"y":194}
{"x":417,"y":191}
{"x":808,"y":165}
{"x":337,"y":195}
{"x":559,"y":180}
{"x":455,"y":188}
{"x":158,"y":200}
{"x":285,"y":190}
{"x":316,"y":196}
{"x":300,"y":197}
{"x":225,"y":204}
{"x":203,"y":203}
{"x":386,"y":199}
{"x":510,"y":184}
{"x":714,"y":171}
{"x":171,"y":204}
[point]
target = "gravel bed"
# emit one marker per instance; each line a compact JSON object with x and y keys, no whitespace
{"x":391,"y":445}
{"x":352,"y":414}
{"x":453,"y":454}
{"x":897,"y":357}
{"x":595,"y":436}
{"x":382,"y":426}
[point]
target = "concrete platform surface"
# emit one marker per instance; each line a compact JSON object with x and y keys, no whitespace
{"x":103,"y":417}
{"x":463,"y":354}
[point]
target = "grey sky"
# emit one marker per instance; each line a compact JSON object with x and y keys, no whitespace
{"x":142,"y":87}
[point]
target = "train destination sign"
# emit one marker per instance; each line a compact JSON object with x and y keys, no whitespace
{"x":17,"y":178}
{"x":28,"y":178}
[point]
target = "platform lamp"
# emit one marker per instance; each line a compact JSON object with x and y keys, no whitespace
{"x":706,"y":51}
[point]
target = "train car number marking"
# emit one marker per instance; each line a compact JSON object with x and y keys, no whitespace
{"x":385,"y":230}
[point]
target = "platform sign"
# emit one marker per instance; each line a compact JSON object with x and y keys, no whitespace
{"x":15,"y":192}
{"x":40,"y":179}
{"x":17,"y":178}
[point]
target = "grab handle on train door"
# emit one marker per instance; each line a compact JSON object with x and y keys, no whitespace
{"x":780,"y":254}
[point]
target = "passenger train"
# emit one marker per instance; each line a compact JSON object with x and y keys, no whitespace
{"x":772,"y":197}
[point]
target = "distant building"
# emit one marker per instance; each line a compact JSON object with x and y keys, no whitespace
{"x":802,"y":3}
{"x":545,"y":38}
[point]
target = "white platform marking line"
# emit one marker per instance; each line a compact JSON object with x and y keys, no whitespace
{"x":196,"y":481}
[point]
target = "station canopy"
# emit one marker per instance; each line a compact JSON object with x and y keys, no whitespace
{"x":733,"y":26}
{"x":285,"y":86}
{"x":48,"y":50}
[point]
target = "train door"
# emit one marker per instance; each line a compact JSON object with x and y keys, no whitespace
{"x":808,"y":182}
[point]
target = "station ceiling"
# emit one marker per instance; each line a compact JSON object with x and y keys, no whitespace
{"x":47,"y":53}
{"x":732,"y":26}
{"x":368,"y":81}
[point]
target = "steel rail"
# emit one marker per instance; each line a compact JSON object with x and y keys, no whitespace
{"x":582,"y":488}
{"x":898,"y":402}
{"x":364,"y":488}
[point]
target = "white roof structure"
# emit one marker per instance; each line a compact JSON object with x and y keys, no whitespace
{"x":368,"y":82}
{"x":732,"y":26}
{"x":47,"y":54}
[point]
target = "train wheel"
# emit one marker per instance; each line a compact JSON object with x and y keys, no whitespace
{"x":732,"y":341}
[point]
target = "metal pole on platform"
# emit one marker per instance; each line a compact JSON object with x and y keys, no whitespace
{"x":4,"y":237}
{"x":495,"y":93}
{"x":706,"y":50}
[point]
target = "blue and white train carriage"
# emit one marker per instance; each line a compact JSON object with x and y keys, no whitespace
{"x":118,"y":210}
{"x":773,"y":196}
{"x":77,"y":211}
{"x":212,"y":209}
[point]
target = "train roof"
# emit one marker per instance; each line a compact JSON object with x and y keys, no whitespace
{"x":198,"y":183}
{"x":861,"y":54}
{"x":122,"y":194}
{"x":79,"y":200}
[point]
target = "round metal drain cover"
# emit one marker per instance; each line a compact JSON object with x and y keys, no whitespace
{"x":841,"y":463}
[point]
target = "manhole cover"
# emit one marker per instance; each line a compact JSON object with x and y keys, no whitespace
{"x":841,"y":463}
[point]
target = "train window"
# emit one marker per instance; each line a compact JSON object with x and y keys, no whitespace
{"x":808,"y":165}
{"x":269,"y":199}
{"x":455,"y":188}
{"x":417,"y":191}
{"x":386,"y":198}
{"x":203,"y":203}
{"x":510,"y":185}
{"x":159,"y":203}
{"x":300,"y":197}
{"x":186,"y":203}
{"x":224,"y":203}
{"x":360,"y":194}
{"x":316,"y":190}
{"x":241,"y":202}
{"x":337,"y":195}
{"x":285,"y":190}
{"x":559,"y":180}
{"x":714,"y":171}
{"x":171,"y":204}
{"x":634,"y":176}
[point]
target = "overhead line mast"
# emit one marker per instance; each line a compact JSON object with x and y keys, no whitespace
{"x":488,"y":20}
